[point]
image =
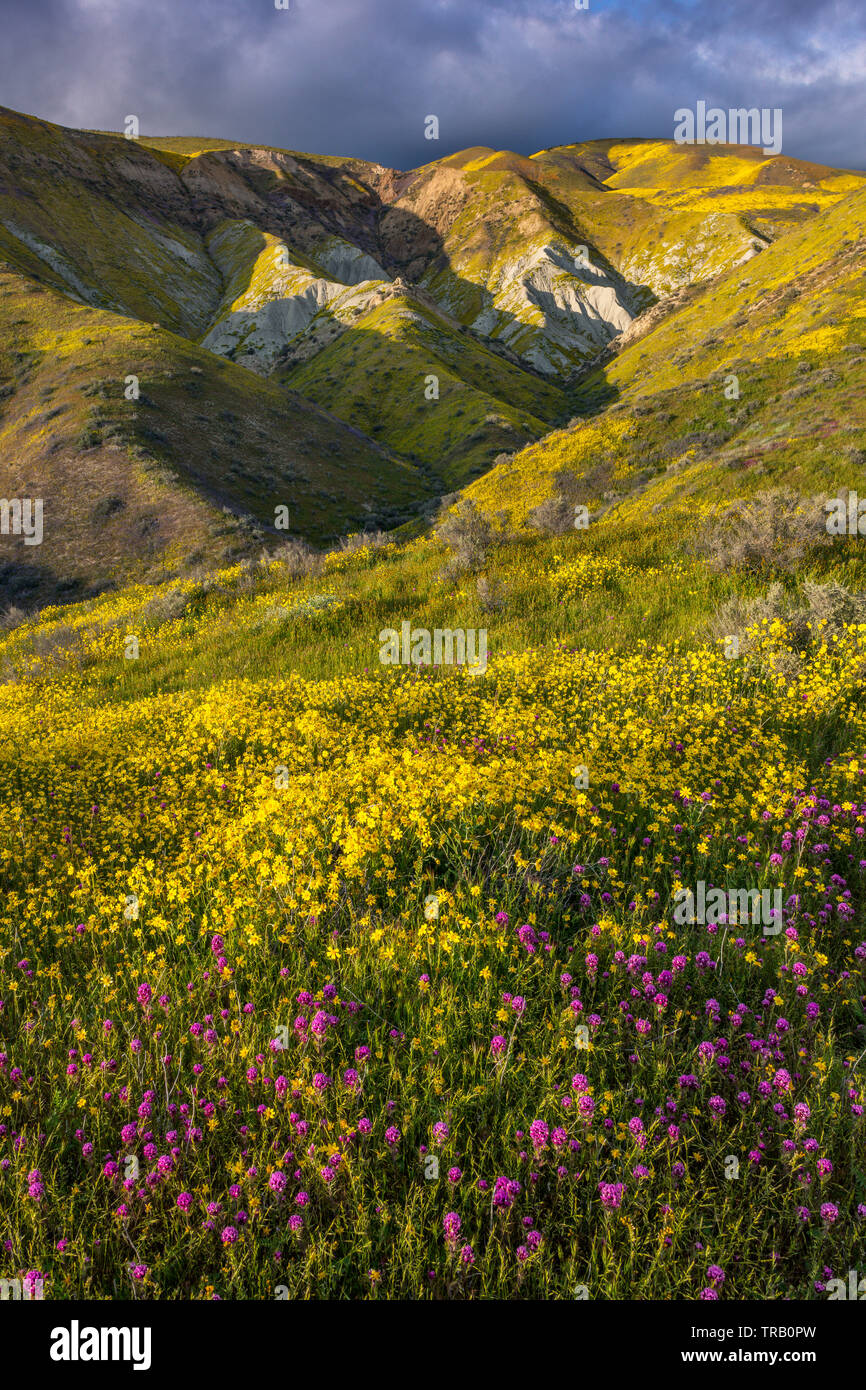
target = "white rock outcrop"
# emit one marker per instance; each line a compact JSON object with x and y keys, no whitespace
{"x":554,"y":309}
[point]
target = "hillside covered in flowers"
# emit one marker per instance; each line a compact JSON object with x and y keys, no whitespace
{"x":325,"y":978}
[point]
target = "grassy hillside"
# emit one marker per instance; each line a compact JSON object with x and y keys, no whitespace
{"x":755,"y":382}
{"x":669,"y":214}
{"x":190,"y":472}
{"x":391,"y":352}
{"x":250,"y":815}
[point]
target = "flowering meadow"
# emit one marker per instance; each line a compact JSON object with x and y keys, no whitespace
{"x":321,"y":979}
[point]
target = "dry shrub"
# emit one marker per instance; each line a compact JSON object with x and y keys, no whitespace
{"x":491,"y":596}
{"x":298,"y":559}
{"x":363,"y":540}
{"x":772,"y":531}
{"x":834,"y":605}
{"x":57,"y":645}
{"x":167,"y":607}
{"x":555,"y":516}
{"x":468,"y":534}
{"x":827,"y":610}
{"x":12,"y":618}
{"x":253,"y":574}
{"x":596,"y":479}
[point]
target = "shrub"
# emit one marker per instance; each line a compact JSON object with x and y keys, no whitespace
{"x":166,"y":607}
{"x":56,"y":645}
{"x":827,"y":611}
{"x":362,"y":540}
{"x":467,"y":533}
{"x":834,"y":605}
{"x":772,"y":531}
{"x":555,"y":516}
{"x":298,"y":559}
{"x":490,"y":596}
{"x":12,"y":618}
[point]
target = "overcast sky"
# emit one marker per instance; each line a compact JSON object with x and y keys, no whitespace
{"x":359,"y":76}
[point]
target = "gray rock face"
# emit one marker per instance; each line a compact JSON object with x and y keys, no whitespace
{"x":57,"y":262}
{"x":555,"y":310}
{"x":347,"y":263}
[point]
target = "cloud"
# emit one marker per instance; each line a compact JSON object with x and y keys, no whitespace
{"x":359,"y":76}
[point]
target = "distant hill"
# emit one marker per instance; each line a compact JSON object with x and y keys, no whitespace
{"x":329,"y":335}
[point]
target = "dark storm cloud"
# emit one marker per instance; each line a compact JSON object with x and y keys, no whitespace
{"x":359,"y":76}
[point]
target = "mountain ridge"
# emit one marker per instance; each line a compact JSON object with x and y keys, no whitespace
{"x":442,"y":317}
